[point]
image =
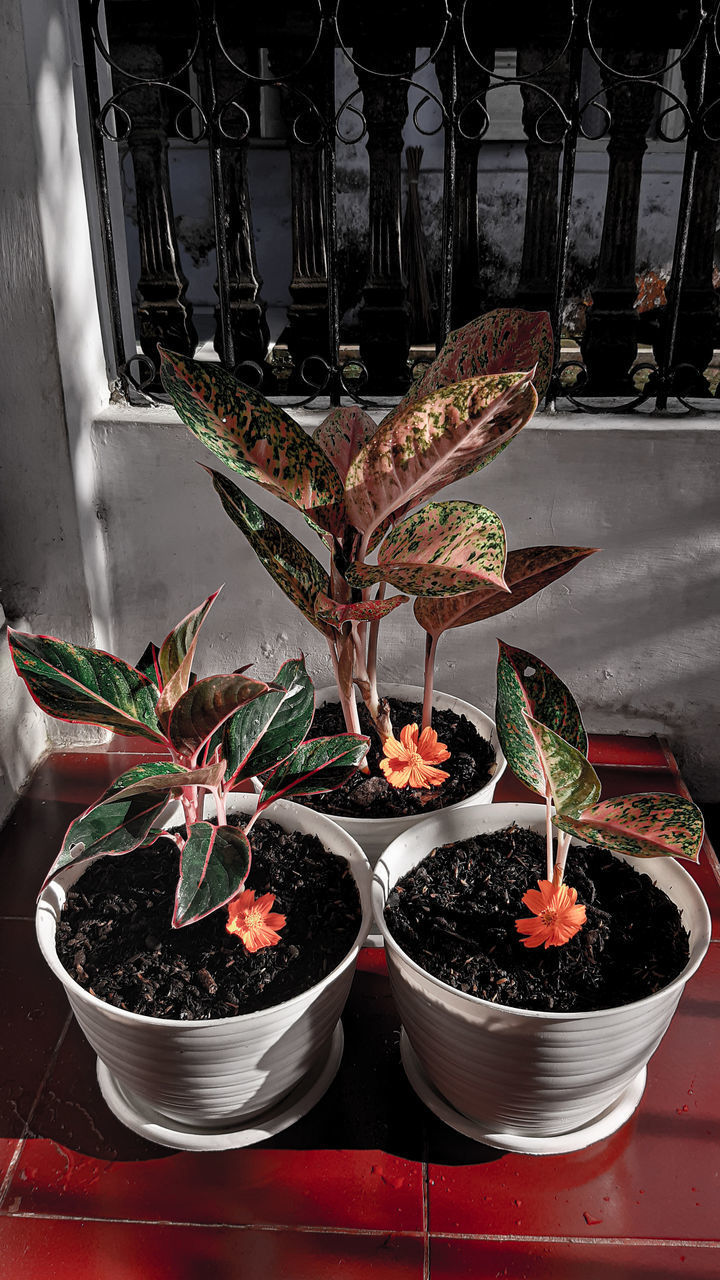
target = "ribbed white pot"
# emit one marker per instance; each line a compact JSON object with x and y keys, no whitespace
{"x":205,"y":1074}
{"x":518,"y":1071}
{"x":374,"y":834}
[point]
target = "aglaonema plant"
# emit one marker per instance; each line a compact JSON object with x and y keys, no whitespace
{"x":358,"y":486}
{"x":545,"y":744}
{"x":218,"y":731}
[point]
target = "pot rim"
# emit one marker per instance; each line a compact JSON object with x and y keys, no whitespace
{"x":50,"y":904}
{"x":537,"y":812}
{"x":415,"y":692}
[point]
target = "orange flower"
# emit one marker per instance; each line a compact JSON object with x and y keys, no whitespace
{"x":559,"y":917}
{"x":410,"y":761}
{"x":253,"y":921}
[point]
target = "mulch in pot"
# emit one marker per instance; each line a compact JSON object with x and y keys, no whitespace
{"x":454,"y":915}
{"x":115,"y":937}
{"x":471,"y":765}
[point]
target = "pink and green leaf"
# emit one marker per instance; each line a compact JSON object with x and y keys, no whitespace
{"x":320,"y":764}
{"x":442,"y":438}
{"x":526,"y":686}
{"x":295,"y":569}
{"x":338,"y":614}
{"x":444,"y":549}
{"x":527,"y":571}
{"x":205,"y":706}
{"x":643,"y":826}
{"x":157,"y":777}
{"x":86,"y":686}
{"x":149,"y":665}
{"x":271,"y":727}
{"x":252,"y":436}
{"x":342,"y":434}
{"x":574,"y":784}
{"x":213,"y":868}
{"x":113,"y":827}
{"x":176,"y":657}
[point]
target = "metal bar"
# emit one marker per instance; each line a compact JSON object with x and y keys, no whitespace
{"x":682,"y":231}
{"x":217,"y":179}
{"x":98,"y":146}
{"x":326,"y":51}
{"x":575,"y":60}
{"x":454,"y":34}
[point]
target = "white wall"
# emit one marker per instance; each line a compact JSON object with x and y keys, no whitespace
{"x":632,"y":630}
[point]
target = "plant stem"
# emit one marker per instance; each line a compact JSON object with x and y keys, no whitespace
{"x":345,"y":694}
{"x":548,"y":833}
{"x":373,"y":642}
{"x":564,"y":839}
{"x":220,"y":806}
{"x":430,"y":647}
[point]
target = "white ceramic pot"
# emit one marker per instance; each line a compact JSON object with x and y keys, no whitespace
{"x":522,"y":1077}
{"x":374,"y":834}
{"x":207,"y":1075}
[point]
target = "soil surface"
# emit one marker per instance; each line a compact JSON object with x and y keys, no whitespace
{"x":471,"y":765}
{"x":454,"y":915}
{"x":116,"y":940}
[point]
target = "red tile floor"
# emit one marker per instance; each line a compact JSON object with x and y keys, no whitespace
{"x":369,"y":1184}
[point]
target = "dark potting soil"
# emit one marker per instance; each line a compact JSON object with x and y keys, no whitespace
{"x":471,"y":765}
{"x":455,"y":913}
{"x":116,"y":940}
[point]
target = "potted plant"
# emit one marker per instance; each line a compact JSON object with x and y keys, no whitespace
{"x":530,"y":1013}
{"x":359,"y":487}
{"x":212,"y":997}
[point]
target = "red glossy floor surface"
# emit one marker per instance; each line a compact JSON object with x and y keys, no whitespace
{"x":369,"y":1184}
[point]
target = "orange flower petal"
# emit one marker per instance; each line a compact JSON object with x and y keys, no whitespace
{"x":253,"y":921}
{"x":411,"y":760}
{"x":558,"y":918}
{"x":408,"y":737}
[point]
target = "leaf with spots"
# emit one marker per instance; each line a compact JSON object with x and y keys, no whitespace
{"x":252,"y":436}
{"x":526,"y":686}
{"x":364,"y":611}
{"x":502,"y":341}
{"x":574,"y":783}
{"x":204,"y":707}
{"x":86,"y":686}
{"x":441,"y":439}
{"x":643,"y":826}
{"x":176,"y":656}
{"x":319,"y":764}
{"x":265,"y":731}
{"x":527,"y":572}
{"x":213,"y":868}
{"x":446,"y":548}
{"x":295,"y":569}
{"x":342,"y":434}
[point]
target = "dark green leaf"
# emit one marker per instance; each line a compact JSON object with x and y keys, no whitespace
{"x":321,"y":764}
{"x":157,"y":776}
{"x":213,"y":867}
{"x":86,"y":686}
{"x":149,"y":665}
{"x":268,"y":729}
{"x":525,"y":684}
{"x":295,"y":569}
{"x":112,"y":827}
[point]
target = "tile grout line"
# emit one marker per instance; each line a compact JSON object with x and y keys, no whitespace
{"x":7,"y":1180}
{"x":276,"y":1228}
{"x":46,"y":1076}
{"x":641,"y":1242}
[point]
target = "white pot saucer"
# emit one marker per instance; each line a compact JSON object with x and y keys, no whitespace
{"x":601,"y":1127}
{"x":139,"y":1116}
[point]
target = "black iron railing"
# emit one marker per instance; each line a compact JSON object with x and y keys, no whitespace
{"x":202,"y":71}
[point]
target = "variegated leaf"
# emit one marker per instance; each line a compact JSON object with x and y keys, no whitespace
{"x":501,"y":341}
{"x":643,"y":826}
{"x":295,"y":569}
{"x":364,"y":611}
{"x":444,"y":437}
{"x":444,"y":549}
{"x":157,"y":776}
{"x":213,"y":868}
{"x":111,"y":827}
{"x":342,"y":434}
{"x":574,"y":783}
{"x":525,"y":684}
{"x":204,"y":707}
{"x":252,"y":436}
{"x":320,"y":764}
{"x":527,"y":572}
{"x":176,"y":657}
{"x":86,"y":686}
{"x":269,"y":728}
